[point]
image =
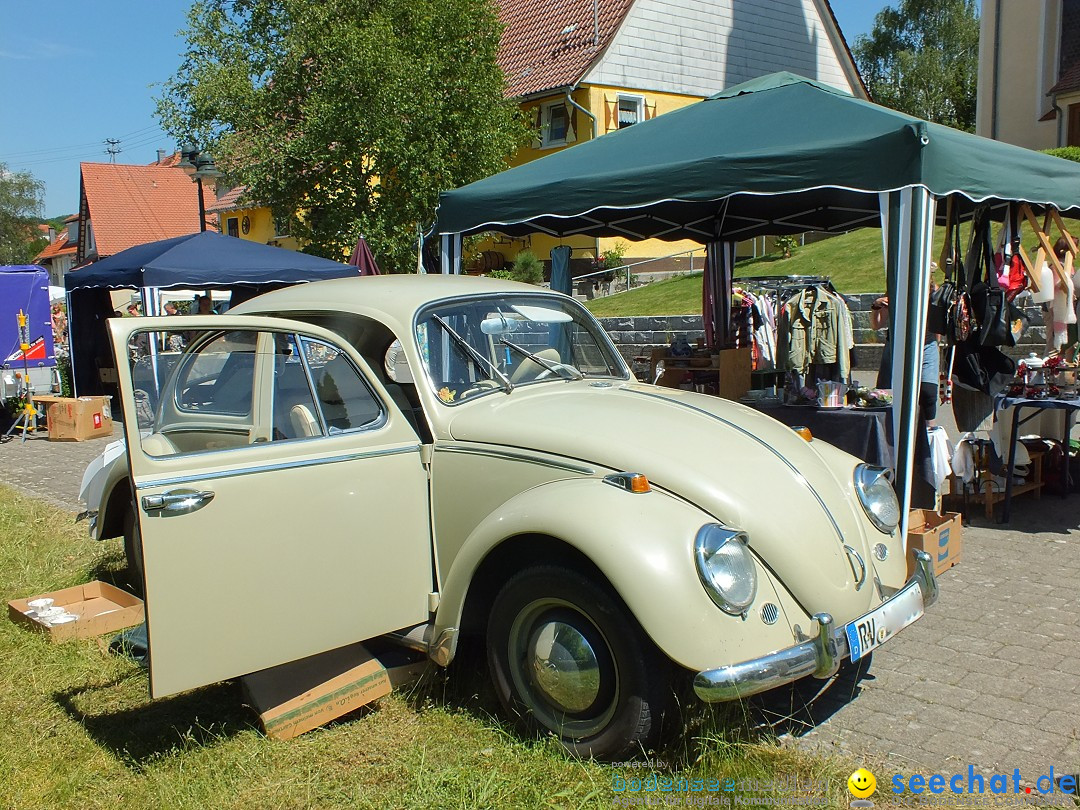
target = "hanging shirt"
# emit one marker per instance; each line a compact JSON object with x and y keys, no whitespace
{"x":809,"y":331}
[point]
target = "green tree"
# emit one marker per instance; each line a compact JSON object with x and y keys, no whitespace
{"x":20,"y":212}
{"x":922,"y":58}
{"x":352,"y":114}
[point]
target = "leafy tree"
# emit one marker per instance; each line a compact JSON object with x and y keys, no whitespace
{"x":352,"y":114}
{"x":20,"y":211}
{"x":922,"y":58}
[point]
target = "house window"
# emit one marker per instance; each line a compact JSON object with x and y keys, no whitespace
{"x":232,"y":226}
{"x":631,"y":110}
{"x":1073,"y":133}
{"x":281,"y":225}
{"x":556,"y":125}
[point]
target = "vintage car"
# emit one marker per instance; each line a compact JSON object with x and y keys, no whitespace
{"x":428,"y":456}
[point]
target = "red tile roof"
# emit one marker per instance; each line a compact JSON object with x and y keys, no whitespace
{"x":549,"y":43}
{"x":131,"y":205}
{"x":61,"y":247}
{"x":230,"y":201}
{"x":1069,"y":81}
{"x":168,"y":161}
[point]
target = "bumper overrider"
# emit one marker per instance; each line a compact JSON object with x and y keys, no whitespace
{"x":819,"y":656}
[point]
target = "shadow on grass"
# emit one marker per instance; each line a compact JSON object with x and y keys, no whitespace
{"x":154,"y":729}
{"x":691,"y":731}
{"x":111,"y":567}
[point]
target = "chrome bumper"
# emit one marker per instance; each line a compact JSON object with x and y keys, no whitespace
{"x":819,"y":657}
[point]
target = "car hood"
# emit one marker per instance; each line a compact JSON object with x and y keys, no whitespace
{"x":747,"y":470}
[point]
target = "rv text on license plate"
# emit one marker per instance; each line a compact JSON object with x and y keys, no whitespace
{"x":875,"y":628}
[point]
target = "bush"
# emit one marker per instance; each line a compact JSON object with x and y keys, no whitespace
{"x":1067,"y":152}
{"x":527,"y":268}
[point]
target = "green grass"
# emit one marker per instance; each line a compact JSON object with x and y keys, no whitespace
{"x":80,"y":732}
{"x":854,"y":262}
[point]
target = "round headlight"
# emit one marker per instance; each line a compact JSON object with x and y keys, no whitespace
{"x":726,"y":568}
{"x":877,"y":496}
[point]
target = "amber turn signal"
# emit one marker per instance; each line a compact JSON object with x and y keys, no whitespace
{"x":803,"y":431}
{"x":631,"y":482}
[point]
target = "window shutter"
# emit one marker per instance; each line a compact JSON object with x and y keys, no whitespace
{"x":571,"y":120}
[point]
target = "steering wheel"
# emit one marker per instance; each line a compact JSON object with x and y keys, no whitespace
{"x":479,"y":387}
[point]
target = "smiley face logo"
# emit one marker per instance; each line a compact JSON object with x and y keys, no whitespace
{"x":862,"y":784}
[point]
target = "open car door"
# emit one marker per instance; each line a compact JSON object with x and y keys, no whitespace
{"x":280,"y":494}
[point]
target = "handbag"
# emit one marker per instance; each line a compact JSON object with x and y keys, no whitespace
{"x":958,"y":318}
{"x":982,"y":368}
{"x":990,"y":307}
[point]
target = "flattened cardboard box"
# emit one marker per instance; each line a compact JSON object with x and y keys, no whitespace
{"x":75,"y":420}
{"x":296,"y":697}
{"x":101,"y":609}
{"x":940,"y":536}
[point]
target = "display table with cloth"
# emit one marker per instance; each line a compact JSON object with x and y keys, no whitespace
{"x":865,"y":433}
{"x":1001,"y":402}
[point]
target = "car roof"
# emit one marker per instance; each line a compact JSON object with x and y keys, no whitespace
{"x":398,"y":295}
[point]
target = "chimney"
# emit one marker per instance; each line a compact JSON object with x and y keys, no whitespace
{"x":52,"y":234}
{"x":160,"y":155}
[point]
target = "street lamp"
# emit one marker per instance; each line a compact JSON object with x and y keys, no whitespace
{"x":203,"y":167}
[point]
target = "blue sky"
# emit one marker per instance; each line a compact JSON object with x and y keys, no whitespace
{"x":75,"y":72}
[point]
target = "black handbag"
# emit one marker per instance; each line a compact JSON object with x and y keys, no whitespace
{"x":989,"y":304}
{"x":982,"y":368}
{"x":941,"y":299}
{"x":958,"y":317}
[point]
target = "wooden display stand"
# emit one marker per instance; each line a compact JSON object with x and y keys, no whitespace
{"x":724,"y":374}
{"x":986,"y":494}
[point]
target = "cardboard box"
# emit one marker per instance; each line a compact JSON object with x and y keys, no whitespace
{"x":75,"y":420}
{"x":940,"y":536}
{"x":101,"y":609}
{"x":299,"y":696}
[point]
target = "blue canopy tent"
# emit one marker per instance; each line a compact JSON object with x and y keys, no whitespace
{"x":204,"y":261}
{"x":25,"y":288}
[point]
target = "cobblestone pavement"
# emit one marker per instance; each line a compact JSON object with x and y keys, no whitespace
{"x":50,"y":470}
{"x":990,"y":677}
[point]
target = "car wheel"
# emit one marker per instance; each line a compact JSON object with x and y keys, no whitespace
{"x":133,"y":552}
{"x":568,"y":659}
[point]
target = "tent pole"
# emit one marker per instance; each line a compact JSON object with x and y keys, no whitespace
{"x":451,"y":253}
{"x":907,"y":221}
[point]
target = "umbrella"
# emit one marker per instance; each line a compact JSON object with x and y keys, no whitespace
{"x":361,"y":257}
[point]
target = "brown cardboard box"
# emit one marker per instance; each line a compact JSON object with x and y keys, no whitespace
{"x":101,"y":609}
{"x":299,"y":696}
{"x":74,"y":420}
{"x":940,"y":536}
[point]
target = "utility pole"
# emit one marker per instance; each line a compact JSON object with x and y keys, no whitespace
{"x":112,"y":147}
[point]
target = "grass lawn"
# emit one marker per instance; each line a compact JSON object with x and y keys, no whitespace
{"x":854,"y":261}
{"x":80,"y":732}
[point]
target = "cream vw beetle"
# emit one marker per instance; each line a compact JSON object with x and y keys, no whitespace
{"x":425,"y":456}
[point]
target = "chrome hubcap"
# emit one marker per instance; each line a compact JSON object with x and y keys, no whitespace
{"x":564,"y":666}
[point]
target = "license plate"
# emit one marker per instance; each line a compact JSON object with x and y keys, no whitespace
{"x":870,"y":631}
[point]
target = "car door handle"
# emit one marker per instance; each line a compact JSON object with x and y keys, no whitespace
{"x":177,"y":502}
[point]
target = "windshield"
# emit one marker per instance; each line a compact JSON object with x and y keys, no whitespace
{"x":496,"y":343}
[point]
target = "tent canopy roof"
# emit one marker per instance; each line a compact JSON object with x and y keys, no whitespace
{"x":778,"y":154}
{"x":205,"y":260}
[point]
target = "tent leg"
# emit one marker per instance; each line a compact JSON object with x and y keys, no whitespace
{"x":451,"y":253}
{"x":907,"y":227}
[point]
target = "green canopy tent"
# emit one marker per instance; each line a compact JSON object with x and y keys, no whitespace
{"x":781,"y":154}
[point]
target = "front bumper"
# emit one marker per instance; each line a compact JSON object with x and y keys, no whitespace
{"x":820,"y":656}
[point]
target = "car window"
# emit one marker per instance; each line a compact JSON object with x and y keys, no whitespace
{"x":209,"y":390}
{"x":475,"y":346}
{"x":345,"y":401}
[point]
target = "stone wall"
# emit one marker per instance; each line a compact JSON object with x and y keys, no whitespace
{"x":637,"y":337}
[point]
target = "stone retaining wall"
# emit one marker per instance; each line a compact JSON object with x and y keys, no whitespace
{"x":638,"y":336}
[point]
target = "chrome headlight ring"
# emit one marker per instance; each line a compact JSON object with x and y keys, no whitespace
{"x":726,"y":568}
{"x":877,"y":496}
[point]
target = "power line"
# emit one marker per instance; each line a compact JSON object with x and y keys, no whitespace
{"x":79,"y":146}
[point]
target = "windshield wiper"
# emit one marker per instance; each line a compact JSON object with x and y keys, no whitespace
{"x":482,"y":362}
{"x":554,"y":368}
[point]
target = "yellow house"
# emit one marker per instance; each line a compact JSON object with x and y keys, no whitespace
{"x":1029,"y":72}
{"x":583,"y":68}
{"x":248,"y":220}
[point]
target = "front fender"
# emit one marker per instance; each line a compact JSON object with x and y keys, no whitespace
{"x":643,"y":544}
